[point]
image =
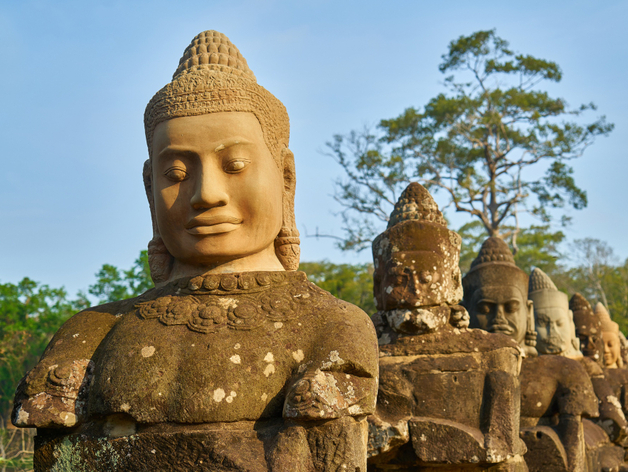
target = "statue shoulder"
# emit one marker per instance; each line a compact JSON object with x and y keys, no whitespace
{"x":49,"y":395}
{"x":576,"y":395}
{"x":592,"y":367}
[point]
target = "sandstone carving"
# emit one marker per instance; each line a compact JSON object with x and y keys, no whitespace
{"x":589,"y":331}
{"x":496,"y":295}
{"x":610,"y":337}
{"x":448,"y":396}
{"x":234,"y":362}
{"x":560,"y":373}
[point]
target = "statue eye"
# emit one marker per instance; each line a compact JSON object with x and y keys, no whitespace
{"x":236,"y":165}
{"x":512,"y":307}
{"x":176,"y":175}
{"x":484,"y":308}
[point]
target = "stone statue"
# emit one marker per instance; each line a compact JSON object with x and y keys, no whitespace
{"x":234,"y":362}
{"x":496,"y":295}
{"x":589,"y":331}
{"x":614,"y":371}
{"x":448,"y":397}
{"x":553,"y":399}
{"x":556,"y":332}
{"x":610,"y":337}
{"x":550,"y":421}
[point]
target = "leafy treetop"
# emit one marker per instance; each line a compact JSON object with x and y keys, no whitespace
{"x":476,"y":143}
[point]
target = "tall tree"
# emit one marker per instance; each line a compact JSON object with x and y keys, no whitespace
{"x":476,"y":142}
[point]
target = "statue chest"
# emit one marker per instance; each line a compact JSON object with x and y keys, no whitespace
{"x":198,"y":360}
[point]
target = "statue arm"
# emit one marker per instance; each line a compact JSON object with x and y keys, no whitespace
{"x":52,"y":394}
{"x":503,"y":394}
{"x":333,"y":393}
{"x":611,"y":418}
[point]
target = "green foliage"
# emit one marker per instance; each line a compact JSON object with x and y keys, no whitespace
{"x":598,"y":277}
{"x":113,"y":284}
{"x":349,"y":282}
{"x":476,"y":143}
{"x":30,"y":314}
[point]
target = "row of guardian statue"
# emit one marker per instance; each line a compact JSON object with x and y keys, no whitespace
{"x":235,"y":362}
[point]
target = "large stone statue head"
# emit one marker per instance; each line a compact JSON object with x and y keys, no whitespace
{"x":496,"y":295}
{"x":556,"y":332}
{"x":416,"y":264}
{"x":610,"y":336}
{"x":588,"y":328}
{"x":220,"y":178}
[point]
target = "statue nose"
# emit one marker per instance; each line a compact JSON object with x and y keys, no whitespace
{"x":210,"y":191}
{"x":500,"y":315}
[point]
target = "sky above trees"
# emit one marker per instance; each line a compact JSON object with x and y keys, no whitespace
{"x":77,"y":76}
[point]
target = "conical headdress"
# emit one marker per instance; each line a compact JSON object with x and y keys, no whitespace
{"x":494,"y":249}
{"x":543,"y":292}
{"x":583,"y":315}
{"x":418,"y":229}
{"x":539,"y":280}
{"x":494,"y":265}
{"x":416,"y":203}
{"x":605,"y":318}
{"x":213,"y":77}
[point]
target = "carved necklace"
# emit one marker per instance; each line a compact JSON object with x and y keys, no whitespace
{"x":212,"y":303}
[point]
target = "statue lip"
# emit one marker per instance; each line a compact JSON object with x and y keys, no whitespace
{"x":500,"y":328}
{"x":213,"y":224}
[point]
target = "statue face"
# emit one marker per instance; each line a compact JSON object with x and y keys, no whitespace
{"x":588,"y":329}
{"x":554,"y":330}
{"x":501,"y":309}
{"x":217,"y":189}
{"x":612,"y":348}
{"x":408,"y":279}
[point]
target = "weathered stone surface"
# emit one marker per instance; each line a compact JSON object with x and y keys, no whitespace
{"x":234,"y":362}
{"x":589,"y":330}
{"x":496,"y":295}
{"x":448,"y":396}
{"x":556,"y":332}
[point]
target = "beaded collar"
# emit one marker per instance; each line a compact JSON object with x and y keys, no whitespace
{"x":212,"y":303}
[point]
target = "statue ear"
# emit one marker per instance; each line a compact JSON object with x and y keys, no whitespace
{"x":530,"y":307}
{"x":159,"y":259}
{"x":530,"y":337}
{"x":287,"y":241}
{"x":575,"y":341}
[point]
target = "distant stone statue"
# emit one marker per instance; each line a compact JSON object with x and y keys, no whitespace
{"x":615,"y":372}
{"x":589,"y":331}
{"x":556,"y":332}
{"x":448,"y":396}
{"x":610,"y":337}
{"x":496,"y":295}
{"x":574,"y":393}
{"x":553,"y":399}
{"x":234,"y":362}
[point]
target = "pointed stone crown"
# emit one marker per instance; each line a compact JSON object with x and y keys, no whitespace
{"x":212,"y":50}
{"x":579,"y":303}
{"x":539,"y":280}
{"x":212,"y":77}
{"x":583,"y":315}
{"x":605,"y":318}
{"x":494,"y":249}
{"x":416,"y":203}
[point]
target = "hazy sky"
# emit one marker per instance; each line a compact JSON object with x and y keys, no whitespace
{"x":76,"y":76}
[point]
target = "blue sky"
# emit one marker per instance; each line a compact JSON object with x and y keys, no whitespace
{"x":77,"y":76}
